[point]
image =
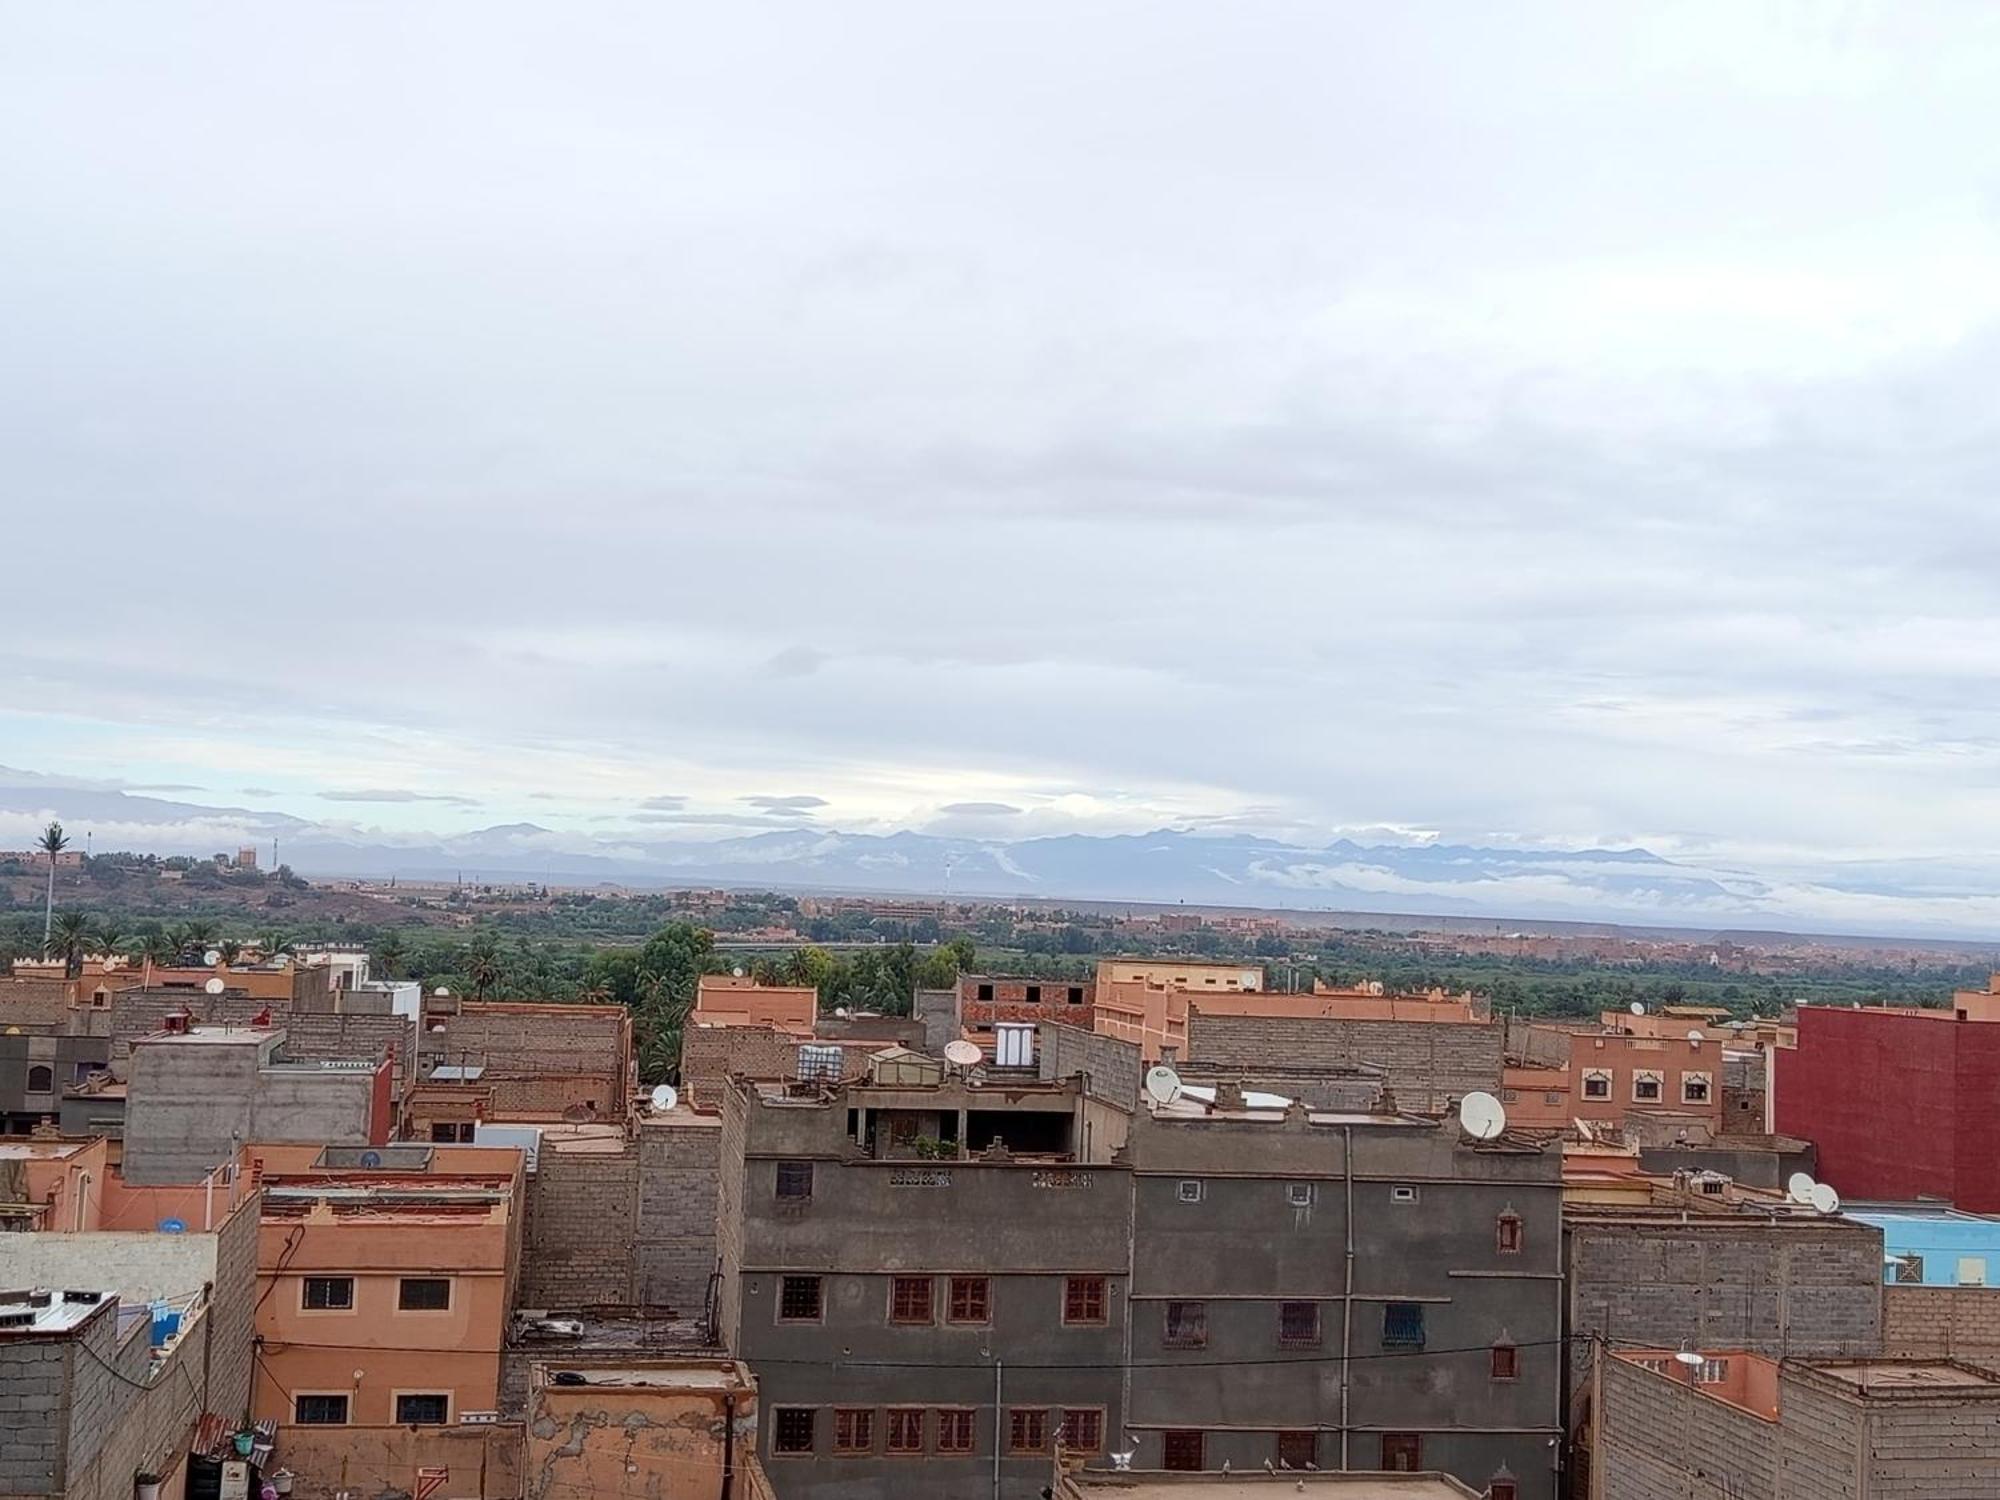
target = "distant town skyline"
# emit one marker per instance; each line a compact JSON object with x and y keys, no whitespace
{"x":1562,"y":429}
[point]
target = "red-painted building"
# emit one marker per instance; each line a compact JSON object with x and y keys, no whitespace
{"x":1901,"y":1104}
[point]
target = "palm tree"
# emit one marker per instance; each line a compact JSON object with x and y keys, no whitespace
{"x":156,"y":947}
{"x":200,"y":933}
{"x":231,"y":950}
{"x":182,"y":937}
{"x":390,"y":953}
{"x":273,"y":945}
{"x":482,"y":966}
{"x":69,"y":935}
{"x":106,"y":938}
{"x":52,"y":842}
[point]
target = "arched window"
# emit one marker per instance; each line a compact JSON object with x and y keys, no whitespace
{"x":41,"y":1080}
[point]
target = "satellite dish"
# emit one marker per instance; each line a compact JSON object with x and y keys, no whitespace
{"x":962,"y":1052}
{"x":1799,"y":1187}
{"x":173,"y":1226}
{"x":841,"y":1011}
{"x":212,"y":957}
{"x":1163,"y":1084}
{"x":664,"y":1098}
{"x":371,"y":1158}
{"x":1637,"y":1007}
{"x":1483,"y":1116}
{"x":1123,"y":1460}
{"x":1825,"y":1199}
{"x":437,"y":1028}
{"x":1695,"y":1037}
{"x":215,"y":986}
{"x":1688,"y":1357}
{"x":441,"y":992}
{"x":737,"y":972}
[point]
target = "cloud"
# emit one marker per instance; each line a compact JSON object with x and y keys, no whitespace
{"x":796,"y":661}
{"x":664,"y":804}
{"x":256,"y":791}
{"x":980,"y":809}
{"x":163,"y":786}
{"x":794,"y":804}
{"x":396,"y":794}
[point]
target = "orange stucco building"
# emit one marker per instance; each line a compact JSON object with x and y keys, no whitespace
{"x":737,"y":1000}
{"x":384,"y":1289}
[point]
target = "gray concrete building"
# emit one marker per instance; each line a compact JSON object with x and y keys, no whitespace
{"x":1427,"y":1065}
{"x":195,"y":1098}
{"x":966,"y":1269}
{"x":1741,"y":1426}
{"x":36,"y":1065}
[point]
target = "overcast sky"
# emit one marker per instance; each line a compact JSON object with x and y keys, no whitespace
{"x":1519,"y":423}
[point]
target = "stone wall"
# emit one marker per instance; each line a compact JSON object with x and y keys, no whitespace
{"x":1426,"y":1063}
{"x":577,"y":1245}
{"x":1662,"y":1439}
{"x":33,"y":1382}
{"x":679,"y":1159}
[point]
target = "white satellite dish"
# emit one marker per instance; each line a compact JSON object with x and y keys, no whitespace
{"x":1688,"y":1357}
{"x":737,"y":972}
{"x":1483,"y":1116}
{"x":1637,"y":1007}
{"x":664,"y":1098}
{"x":442,"y":991}
{"x":963,"y":1053}
{"x":1825,"y":1199}
{"x":1163,"y":1084}
{"x":212,"y":957}
{"x":1695,"y":1037}
{"x":1799,"y":1187}
{"x":215,"y":986}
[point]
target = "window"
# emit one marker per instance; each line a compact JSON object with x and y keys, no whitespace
{"x":1187,"y":1325}
{"x":954,"y":1429}
{"x":1402,"y":1452}
{"x":795,"y":1179}
{"x":1507,"y":1234}
{"x":319,"y":1411}
{"x":82,"y":1071}
{"x":1083,"y":1429}
{"x":328,"y":1294}
{"x":1972,"y":1270}
{"x":1298,"y":1450}
{"x":1501,"y":1489}
{"x":910,"y":1299}
{"x":1298,"y":1325}
{"x":1075,"y":996}
{"x":1181,"y":1450}
{"x":1506,"y":1362}
{"x":1083,"y":1299}
{"x":1299,"y":1194}
{"x":1403,"y":1325}
{"x":424,"y":1294}
{"x":853,"y":1429}
{"x":792,"y":1429}
{"x":1033,"y":994}
{"x":41,"y":1080}
{"x":1027,"y":1430}
{"x":985,"y":992}
{"x":1597,"y":1083}
{"x":1694,"y":1088}
{"x":1403,"y":1194}
{"x":428,"y":1411}
{"x":1188,"y":1190}
{"x":1910,"y":1269}
{"x":798,"y":1299}
{"x":971,"y":1300}
{"x":906,"y":1429}
{"x":1647,"y":1086}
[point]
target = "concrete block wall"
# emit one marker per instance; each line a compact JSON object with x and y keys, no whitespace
{"x":34,"y":1381}
{"x":679,"y":1162}
{"x":578,"y":1243}
{"x":1426,"y":1063}
{"x":1114,"y":1066}
{"x":582,"y":1039}
{"x":234,"y":1310}
{"x":1661,"y":1439}
{"x":1942,"y":1322}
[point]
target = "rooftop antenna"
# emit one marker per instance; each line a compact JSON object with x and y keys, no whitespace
{"x":215,"y":986}
{"x":962,"y":1053}
{"x":1482,"y":1116}
{"x":1825,"y":1199}
{"x":1688,"y":1357}
{"x":1637,"y":1007}
{"x":1163,"y":1086}
{"x":212,"y":957}
{"x":664,"y":1098}
{"x":1695,"y":1038}
{"x":1799,"y":1187}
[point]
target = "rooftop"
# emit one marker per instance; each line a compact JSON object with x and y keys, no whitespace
{"x":1890,"y":1377}
{"x":1151,"y":1485}
{"x":663,"y":1374}
{"x":31,"y":1150}
{"x":38,"y":1310}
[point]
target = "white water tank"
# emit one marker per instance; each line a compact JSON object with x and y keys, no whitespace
{"x":1014,"y":1044}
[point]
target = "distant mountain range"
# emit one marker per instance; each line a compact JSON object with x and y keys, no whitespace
{"x":1631,"y":886}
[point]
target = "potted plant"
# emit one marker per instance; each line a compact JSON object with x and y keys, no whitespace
{"x":145,"y":1485}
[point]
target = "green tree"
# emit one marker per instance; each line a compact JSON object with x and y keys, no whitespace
{"x":390,"y":953}
{"x":106,"y":937}
{"x":483,"y":966}
{"x":274,"y":945}
{"x":230,"y":949}
{"x":156,"y":946}
{"x":52,"y":842}
{"x":69,"y":937}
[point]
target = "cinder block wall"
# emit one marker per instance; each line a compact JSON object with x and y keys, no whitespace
{"x":577,"y":1247}
{"x":1114,"y":1065}
{"x":1426,"y":1063}
{"x":679,"y":1162}
{"x":1661,"y":1439}
{"x":1942,"y":1322}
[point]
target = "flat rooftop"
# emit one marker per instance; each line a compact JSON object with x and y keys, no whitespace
{"x":1883,"y":1376}
{"x":19,"y":1150}
{"x":39,"y":1310}
{"x":1135,"y":1485}
{"x":667,"y":1375}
